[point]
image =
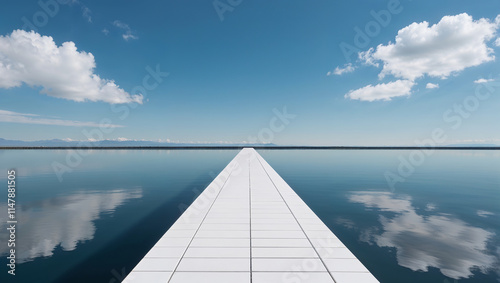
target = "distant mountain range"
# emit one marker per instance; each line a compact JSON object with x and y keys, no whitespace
{"x":144,"y":143}
{"x":112,"y":143}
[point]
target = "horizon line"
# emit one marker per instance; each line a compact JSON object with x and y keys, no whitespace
{"x":276,"y":147}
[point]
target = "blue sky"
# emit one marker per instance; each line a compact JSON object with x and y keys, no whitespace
{"x":232,"y":68}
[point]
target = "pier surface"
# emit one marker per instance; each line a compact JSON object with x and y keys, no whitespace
{"x":248,"y":225}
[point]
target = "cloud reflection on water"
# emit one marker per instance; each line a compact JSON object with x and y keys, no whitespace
{"x":62,"y":221}
{"x":441,"y":241}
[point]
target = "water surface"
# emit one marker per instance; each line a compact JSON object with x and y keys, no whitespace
{"x":442,"y":224}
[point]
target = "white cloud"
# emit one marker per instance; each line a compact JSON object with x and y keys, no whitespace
{"x":422,"y":241}
{"x":348,"y":68}
{"x":105,"y":31}
{"x":24,"y":118}
{"x":483,"y":81}
{"x":87,"y":13}
{"x":366,"y":58}
{"x":497,"y":42}
{"x":382,"y":91}
{"x":453,"y":44}
{"x":431,"y":86}
{"x":61,"y":71}
{"x":128,"y":34}
{"x":440,"y":50}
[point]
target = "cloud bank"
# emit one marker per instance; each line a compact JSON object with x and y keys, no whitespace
{"x":61,"y":71}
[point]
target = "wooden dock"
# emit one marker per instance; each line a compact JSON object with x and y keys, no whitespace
{"x":248,"y":225}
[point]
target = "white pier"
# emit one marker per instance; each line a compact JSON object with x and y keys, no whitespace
{"x":248,"y":225}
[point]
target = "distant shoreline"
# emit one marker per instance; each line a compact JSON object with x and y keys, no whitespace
{"x":255,"y":147}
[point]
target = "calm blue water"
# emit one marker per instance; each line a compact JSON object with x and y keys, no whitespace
{"x":441,"y":225}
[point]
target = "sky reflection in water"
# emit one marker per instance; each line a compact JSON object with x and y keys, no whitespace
{"x":443,"y":223}
{"x":62,"y":221}
{"x":422,"y":241}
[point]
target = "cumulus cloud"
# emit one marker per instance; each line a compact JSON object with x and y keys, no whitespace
{"x":483,"y":81}
{"x":128,"y":34}
{"x":441,"y":241}
{"x":25,"y":118}
{"x":420,"y":49}
{"x":453,"y":44}
{"x":348,"y":68}
{"x":431,"y":86}
{"x":367,"y":58}
{"x":382,"y":91}
{"x":497,"y":42}
{"x":61,"y":71}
